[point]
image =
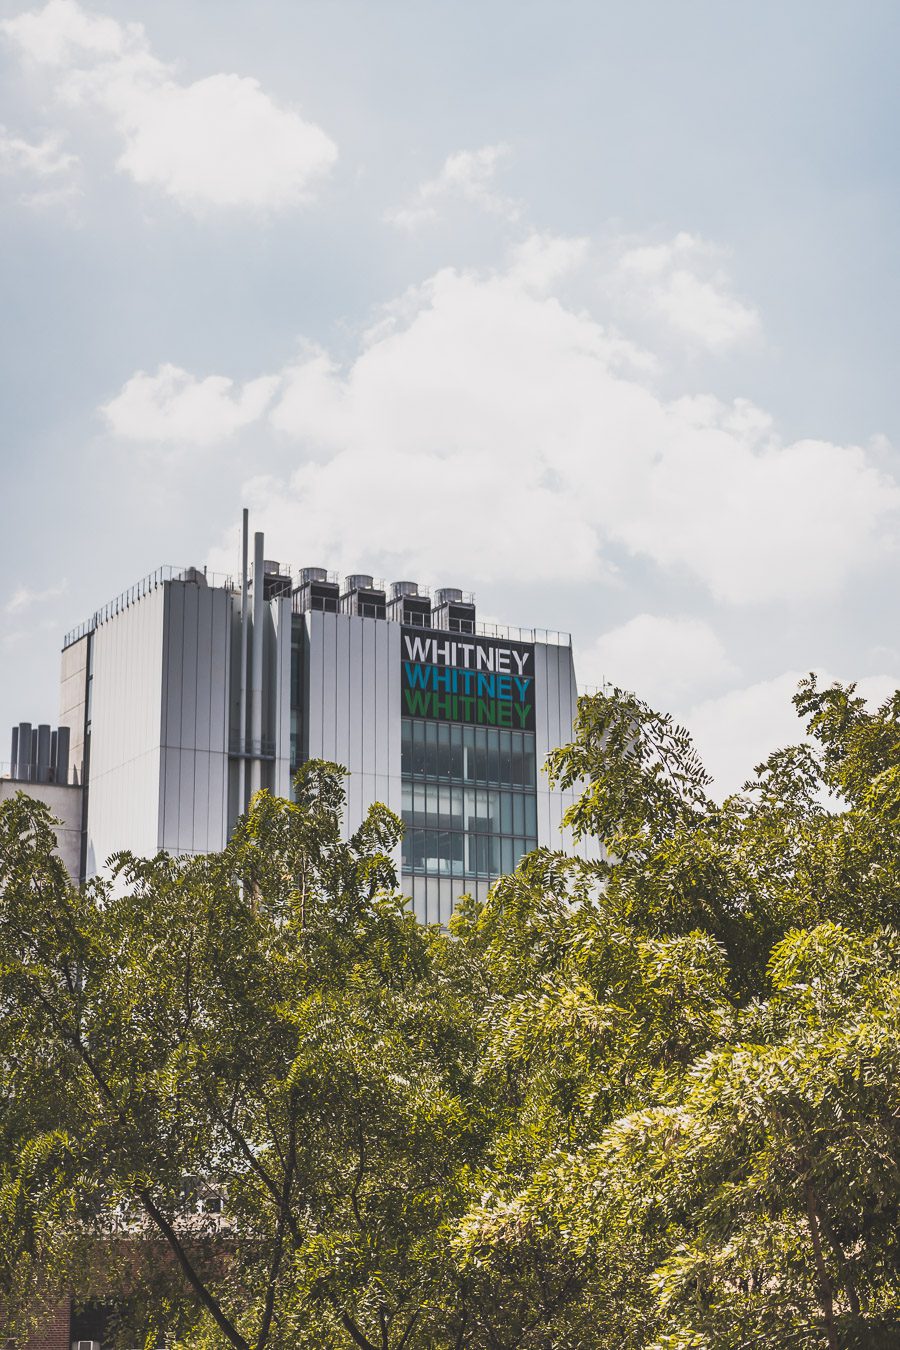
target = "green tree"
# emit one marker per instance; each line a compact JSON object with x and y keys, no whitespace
{"x":644,"y":1103}
{"x":265,"y":1024}
{"x":697,"y":1036}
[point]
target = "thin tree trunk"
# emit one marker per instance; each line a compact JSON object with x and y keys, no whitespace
{"x":209,"y":1302}
{"x":847,"y":1279}
{"x":230,"y":1332}
{"x":826,"y":1292}
{"x":357,"y":1336}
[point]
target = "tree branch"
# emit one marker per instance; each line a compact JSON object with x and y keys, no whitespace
{"x":355,"y":1334}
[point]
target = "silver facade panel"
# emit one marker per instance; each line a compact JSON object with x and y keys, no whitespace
{"x":280,"y":710}
{"x":314,"y":678}
{"x":355,"y":789}
{"x":353,"y":708}
{"x":195,"y":732}
{"x":126,"y":715}
{"x":72,"y":691}
{"x":369,"y":707}
{"x":340,"y":678}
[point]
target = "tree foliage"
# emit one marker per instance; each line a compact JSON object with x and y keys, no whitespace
{"x":649,"y":1102}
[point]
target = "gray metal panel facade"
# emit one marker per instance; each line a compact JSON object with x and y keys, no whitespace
{"x":353,"y":706}
{"x":196,"y":687}
{"x":279,"y":710}
{"x":556,"y":704}
{"x":126,"y":710}
{"x":72,"y":689}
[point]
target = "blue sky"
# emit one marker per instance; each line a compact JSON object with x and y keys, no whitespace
{"x":589,"y":308}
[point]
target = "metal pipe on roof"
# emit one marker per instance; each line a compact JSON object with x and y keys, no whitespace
{"x":23,"y":759}
{"x":62,"y":755}
{"x":242,"y":715}
{"x":256,"y":665}
{"x":43,"y":753}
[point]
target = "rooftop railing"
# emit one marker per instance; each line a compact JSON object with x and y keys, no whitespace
{"x":549,"y":636}
{"x":147,"y":584}
{"x":169,"y":572}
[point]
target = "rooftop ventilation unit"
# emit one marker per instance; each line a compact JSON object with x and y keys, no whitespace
{"x":275,"y":582}
{"x":318,"y":590}
{"x":453,"y":611}
{"x":363,"y":596}
{"x":407,"y":606}
{"x":195,"y":574}
{"x":358,"y":581}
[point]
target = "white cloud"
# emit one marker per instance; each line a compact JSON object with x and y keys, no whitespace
{"x":660,"y":659}
{"x":173,"y":406}
{"x":25,"y":599}
{"x":682,"y":285}
{"x":486,"y":418}
{"x":43,"y":159}
{"x":46,"y":171}
{"x":467,"y":175}
{"x":740,"y":729}
{"x":220,"y":142}
{"x":543,"y":260}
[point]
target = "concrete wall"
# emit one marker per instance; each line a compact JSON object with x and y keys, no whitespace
{"x":65,"y":805}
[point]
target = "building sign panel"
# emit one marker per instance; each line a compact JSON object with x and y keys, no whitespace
{"x":478,"y":680}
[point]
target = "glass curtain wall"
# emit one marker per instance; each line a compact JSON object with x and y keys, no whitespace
{"x":469,"y":802}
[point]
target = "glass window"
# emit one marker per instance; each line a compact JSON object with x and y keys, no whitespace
{"x":457,"y":853}
{"x":493,"y":756}
{"x":457,"y":764}
{"x":443,"y":757}
{"x":505,"y":765}
{"x":493,"y":811}
{"x":531,"y":815}
{"x":481,"y":772}
{"x":418,"y":755}
{"x":528,"y":766}
{"x":515,"y":776}
{"x":518,"y":813}
{"x":455,"y":830}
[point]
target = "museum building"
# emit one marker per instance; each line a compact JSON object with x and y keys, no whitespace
{"x":188,"y":692}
